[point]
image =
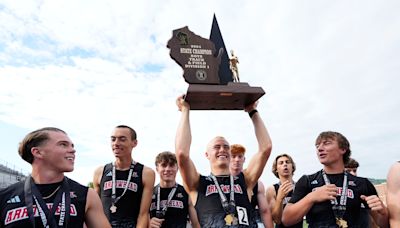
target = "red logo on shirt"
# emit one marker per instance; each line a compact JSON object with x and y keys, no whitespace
{"x":211,"y":189}
{"x":21,"y":213}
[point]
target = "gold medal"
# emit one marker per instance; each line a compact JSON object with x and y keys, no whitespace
{"x":113,"y":209}
{"x":229,"y":219}
{"x":341,"y":223}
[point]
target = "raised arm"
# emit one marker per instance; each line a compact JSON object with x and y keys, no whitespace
{"x":148,"y":179}
{"x":94,"y":214}
{"x":183,"y":139}
{"x":258,"y":161}
{"x":393,"y":195}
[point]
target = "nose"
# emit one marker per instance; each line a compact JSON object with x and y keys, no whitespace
{"x":115,"y":142}
{"x":319,"y":147}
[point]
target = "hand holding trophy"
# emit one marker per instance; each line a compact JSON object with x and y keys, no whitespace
{"x":213,"y":77}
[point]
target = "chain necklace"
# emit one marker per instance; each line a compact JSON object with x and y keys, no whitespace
{"x":51,"y":194}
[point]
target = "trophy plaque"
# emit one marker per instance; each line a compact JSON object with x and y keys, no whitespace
{"x":213,"y":77}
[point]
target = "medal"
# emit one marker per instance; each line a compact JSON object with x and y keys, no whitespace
{"x":113,"y":209}
{"x":228,"y":219}
{"x":231,"y":220}
{"x":114,"y":198}
{"x":341,"y":223}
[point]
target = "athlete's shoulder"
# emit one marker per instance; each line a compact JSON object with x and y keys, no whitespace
{"x":13,"y":189}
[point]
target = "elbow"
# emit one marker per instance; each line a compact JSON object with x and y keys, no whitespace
{"x":287,"y":218}
{"x":266,"y":149}
{"x":181,"y":156}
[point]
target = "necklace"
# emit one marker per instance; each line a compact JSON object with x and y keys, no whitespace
{"x":51,"y":194}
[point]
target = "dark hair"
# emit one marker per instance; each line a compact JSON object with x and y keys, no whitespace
{"x":166,"y":157}
{"x":342,"y":141}
{"x":275,"y":164}
{"x":133,"y":132}
{"x":34,"y":139}
{"x":352,"y":163}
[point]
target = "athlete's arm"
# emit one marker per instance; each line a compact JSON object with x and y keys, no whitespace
{"x":393,"y":195}
{"x":97,"y":178}
{"x":265,"y":212}
{"x":94,"y":214}
{"x":378,"y":210}
{"x":183,"y":139}
{"x":277,"y":200}
{"x":294,"y":212}
{"x":193,"y":215}
{"x":148,"y":178}
{"x":258,"y":161}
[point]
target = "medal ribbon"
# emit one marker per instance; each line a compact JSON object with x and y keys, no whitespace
{"x":338,"y":209}
{"x":114,"y":198}
{"x":229,"y":207}
{"x":47,"y":217}
{"x":170,"y":195}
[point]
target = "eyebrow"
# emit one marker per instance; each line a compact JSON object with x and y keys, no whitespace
{"x":118,"y":137}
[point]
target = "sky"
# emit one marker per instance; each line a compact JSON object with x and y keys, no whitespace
{"x":87,"y":66}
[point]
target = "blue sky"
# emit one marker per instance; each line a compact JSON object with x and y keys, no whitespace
{"x":87,"y":66}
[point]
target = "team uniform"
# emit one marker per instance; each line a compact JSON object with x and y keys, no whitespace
{"x":128,"y":207}
{"x":14,"y":212}
{"x":177,"y":212}
{"x":321,"y":214}
{"x":209,"y":208}
{"x":285,"y":201}
{"x":254,"y":205}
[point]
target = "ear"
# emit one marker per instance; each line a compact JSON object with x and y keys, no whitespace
{"x":134,"y":143}
{"x":36,"y":153}
{"x":206,"y":154}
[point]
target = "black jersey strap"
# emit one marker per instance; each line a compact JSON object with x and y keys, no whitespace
{"x":46,"y":216}
{"x":29,"y":200}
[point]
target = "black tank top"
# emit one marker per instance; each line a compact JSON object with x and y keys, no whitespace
{"x":129,"y":205}
{"x":208,"y":204}
{"x":178,"y":208}
{"x":285,"y":201}
{"x":14,"y":212}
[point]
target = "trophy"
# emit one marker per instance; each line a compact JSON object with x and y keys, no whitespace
{"x":212,"y":75}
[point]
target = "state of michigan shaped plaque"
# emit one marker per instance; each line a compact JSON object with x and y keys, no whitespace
{"x":213,"y":77}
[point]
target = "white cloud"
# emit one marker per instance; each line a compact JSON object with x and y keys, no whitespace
{"x":82,"y":66}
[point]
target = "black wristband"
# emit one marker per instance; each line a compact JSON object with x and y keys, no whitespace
{"x":252,"y":112}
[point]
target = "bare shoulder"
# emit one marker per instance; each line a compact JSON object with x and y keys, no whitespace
{"x":271,"y":191}
{"x":99,"y":170}
{"x":148,"y":170}
{"x":149,"y":175}
{"x":261,"y":185}
{"x":393,"y":177}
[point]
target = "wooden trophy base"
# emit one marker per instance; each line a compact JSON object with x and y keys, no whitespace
{"x":233,"y":96}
